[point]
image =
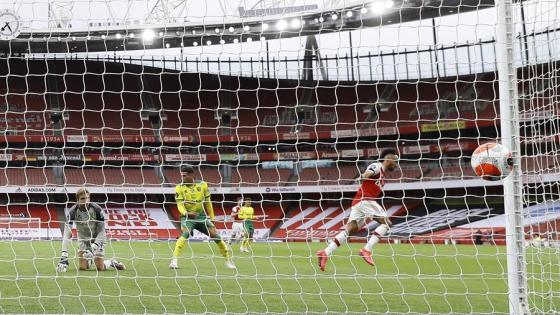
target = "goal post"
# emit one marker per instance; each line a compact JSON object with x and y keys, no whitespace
{"x":513,"y":185}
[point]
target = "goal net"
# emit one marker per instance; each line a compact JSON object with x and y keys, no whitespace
{"x":538,"y":86}
{"x":279,"y":107}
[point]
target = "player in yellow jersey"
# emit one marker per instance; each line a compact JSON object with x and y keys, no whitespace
{"x":247,"y":214}
{"x":195,"y":206}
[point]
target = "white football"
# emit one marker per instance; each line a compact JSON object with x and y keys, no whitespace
{"x":492,"y":161}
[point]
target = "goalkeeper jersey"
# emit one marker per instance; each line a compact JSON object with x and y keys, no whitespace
{"x":89,"y":221}
{"x":192,"y":198}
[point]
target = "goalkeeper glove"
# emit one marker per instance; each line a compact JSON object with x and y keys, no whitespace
{"x":94,"y":247}
{"x":89,"y":254}
{"x":63,"y":264}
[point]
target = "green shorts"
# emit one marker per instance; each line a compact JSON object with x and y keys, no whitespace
{"x":248,"y":226}
{"x":201,"y":223}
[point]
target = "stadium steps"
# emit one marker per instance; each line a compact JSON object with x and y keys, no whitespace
{"x":168,"y":210}
{"x":60,"y":216}
{"x":291,"y":207}
{"x":166,"y":181}
{"x":160,"y":174}
{"x":292,"y":179}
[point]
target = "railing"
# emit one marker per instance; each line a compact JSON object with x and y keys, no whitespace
{"x":425,"y":63}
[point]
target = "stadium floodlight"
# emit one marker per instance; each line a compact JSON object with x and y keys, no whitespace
{"x":231,"y":29}
{"x":264,"y":26}
{"x":296,"y":23}
{"x":281,"y":25}
{"x":377,"y":7}
{"x":380,"y":6}
{"x":148,"y":34}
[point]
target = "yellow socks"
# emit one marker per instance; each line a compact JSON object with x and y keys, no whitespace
{"x":181,"y":241}
{"x":223,"y":248}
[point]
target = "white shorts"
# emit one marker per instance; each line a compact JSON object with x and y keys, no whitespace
{"x":366,"y":209}
{"x":237,"y":229}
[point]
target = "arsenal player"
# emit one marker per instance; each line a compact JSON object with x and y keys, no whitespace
{"x":365,"y":206}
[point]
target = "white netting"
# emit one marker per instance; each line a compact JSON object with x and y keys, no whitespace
{"x":539,"y":113}
{"x":288,"y":110}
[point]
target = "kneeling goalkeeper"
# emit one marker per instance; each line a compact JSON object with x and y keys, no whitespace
{"x":90,"y":224}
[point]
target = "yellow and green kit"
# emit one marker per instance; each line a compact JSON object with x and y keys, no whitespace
{"x":247,"y":214}
{"x":195,"y":198}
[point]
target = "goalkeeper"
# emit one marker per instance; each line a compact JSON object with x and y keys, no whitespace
{"x":195,"y":206}
{"x":90,"y":225}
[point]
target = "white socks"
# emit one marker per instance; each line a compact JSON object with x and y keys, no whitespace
{"x":108,"y":264}
{"x":339,"y":239}
{"x":377,"y":233}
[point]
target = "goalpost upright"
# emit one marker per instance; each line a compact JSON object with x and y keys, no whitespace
{"x":509,"y":125}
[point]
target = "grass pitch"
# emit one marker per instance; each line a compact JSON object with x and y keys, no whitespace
{"x":276,"y":277}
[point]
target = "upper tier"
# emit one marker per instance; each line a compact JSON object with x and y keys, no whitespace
{"x":109,"y":102}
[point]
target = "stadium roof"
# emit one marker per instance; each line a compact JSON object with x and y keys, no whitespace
{"x":230,"y":30}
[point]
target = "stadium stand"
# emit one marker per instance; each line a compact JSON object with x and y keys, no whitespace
{"x":17,"y":176}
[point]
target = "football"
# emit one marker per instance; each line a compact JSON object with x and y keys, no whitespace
{"x":492,"y":161}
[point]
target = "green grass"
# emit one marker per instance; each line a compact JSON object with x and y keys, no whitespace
{"x":277,"y":277}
